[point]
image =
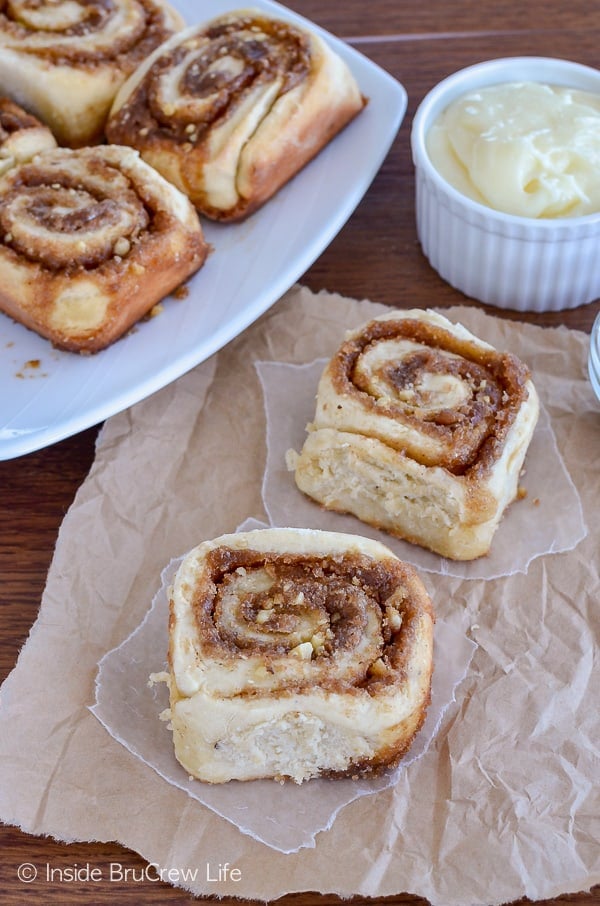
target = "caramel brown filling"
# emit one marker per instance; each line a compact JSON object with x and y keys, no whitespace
{"x":72,"y":215}
{"x":84,"y":32}
{"x":492,"y":389}
{"x":214,"y":69}
{"x":343,"y":610}
{"x":277,"y":49}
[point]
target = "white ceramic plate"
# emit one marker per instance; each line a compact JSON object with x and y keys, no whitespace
{"x":47,"y":395}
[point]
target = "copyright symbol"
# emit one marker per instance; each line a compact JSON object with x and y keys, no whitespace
{"x":27,"y":872}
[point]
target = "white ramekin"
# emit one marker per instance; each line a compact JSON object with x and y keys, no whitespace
{"x":594,"y":357}
{"x":521,"y":263}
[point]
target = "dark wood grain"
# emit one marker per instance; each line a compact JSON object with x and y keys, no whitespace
{"x":376,"y":256}
{"x":440,"y":18}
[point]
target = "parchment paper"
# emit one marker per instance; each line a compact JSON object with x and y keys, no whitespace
{"x":528,"y":529}
{"x":129,"y":707}
{"x":505,"y":801}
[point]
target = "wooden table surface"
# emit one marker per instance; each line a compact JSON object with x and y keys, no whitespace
{"x":376,"y":256}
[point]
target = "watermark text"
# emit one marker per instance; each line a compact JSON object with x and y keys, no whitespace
{"x":116,"y":872}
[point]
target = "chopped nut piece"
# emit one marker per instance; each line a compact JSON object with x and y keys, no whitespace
{"x":379,"y":668}
{"x":317,"y":642}
{"x":394,"y":618}
{"x":304,"y":651}
{"x":122,"y":246}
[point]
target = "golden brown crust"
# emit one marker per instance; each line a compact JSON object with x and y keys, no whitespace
{"x":90,"y":240}
{"x":390,"y":756}
{"x":14,"y":119}
{"x":22,"y":135}
{"x":67,"y":62}
{"x":231,"y":110}
{"x":297,"y":628}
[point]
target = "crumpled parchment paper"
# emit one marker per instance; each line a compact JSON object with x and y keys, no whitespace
{"x":505,"y":801}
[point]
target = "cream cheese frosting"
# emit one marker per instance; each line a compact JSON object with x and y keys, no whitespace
{"x":523,"y":148}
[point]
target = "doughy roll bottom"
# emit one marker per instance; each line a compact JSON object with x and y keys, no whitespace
{"x":296,"y":653}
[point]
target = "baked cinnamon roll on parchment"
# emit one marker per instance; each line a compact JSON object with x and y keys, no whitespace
{"x":296,"y":654}
{"x":421,"y":430}
{"x":22,"y":135}
{"x":230,"y":110}
{"x":90,"y":240}
{"x":65,"y":60}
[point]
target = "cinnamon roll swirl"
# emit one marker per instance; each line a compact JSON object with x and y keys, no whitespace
{"x":421,"y":430}
{"x":22,"y":136}
{"x":296,"y":653}
{"x":230,"y":110}
{"x":66,"y":59}
{"x":90,"y":240}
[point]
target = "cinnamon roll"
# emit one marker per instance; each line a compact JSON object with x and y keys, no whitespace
{"x":90,"y":240}
{"x":421,"y":430}
{"x":296,"y":653}
{"x":230,"y":110}
{"x":66,"y":59}
{"x":22,"y":136}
